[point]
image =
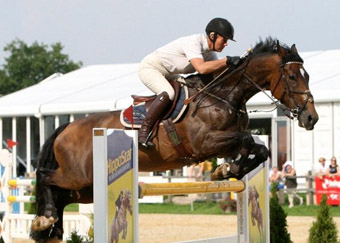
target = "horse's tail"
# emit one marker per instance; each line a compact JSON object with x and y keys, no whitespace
{"x":46,"y":158}
{"x":46,"y":162}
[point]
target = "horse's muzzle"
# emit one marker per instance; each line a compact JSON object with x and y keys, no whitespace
{"x":308,"y":119}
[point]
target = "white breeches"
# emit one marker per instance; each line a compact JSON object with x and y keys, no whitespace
{"x":154,"y":75}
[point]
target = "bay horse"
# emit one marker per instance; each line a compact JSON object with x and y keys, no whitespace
{"x":120,"y":223}
{"x":214,"y":125}
{"x":256,"y":211}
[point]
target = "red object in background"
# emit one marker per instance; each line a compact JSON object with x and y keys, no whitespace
{"x":330,"y":187}
{"x":11,"y":143}
{"x":128,"y":113}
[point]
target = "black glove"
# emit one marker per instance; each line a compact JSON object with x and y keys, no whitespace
{"x":235,"y":61}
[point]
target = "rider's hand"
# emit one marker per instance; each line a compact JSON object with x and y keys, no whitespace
{"x":234,"y":61}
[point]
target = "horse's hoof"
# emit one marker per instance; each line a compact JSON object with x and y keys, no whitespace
{"x":41,"y":223}
{"x":234,"y":169}
{"x":225,"y":169}
{"x":221,"y":172}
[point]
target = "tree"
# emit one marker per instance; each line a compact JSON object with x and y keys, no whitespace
{"x":278,"y":221}
{"x":27,"y":65}
{"x":324,"y":228}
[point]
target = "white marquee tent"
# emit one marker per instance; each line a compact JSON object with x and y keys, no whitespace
{"x":108,"y":87}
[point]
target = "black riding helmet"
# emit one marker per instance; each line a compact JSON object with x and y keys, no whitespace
{"x":222,"y":27}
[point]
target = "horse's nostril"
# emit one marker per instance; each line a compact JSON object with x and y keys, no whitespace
{"x":310,"y":118}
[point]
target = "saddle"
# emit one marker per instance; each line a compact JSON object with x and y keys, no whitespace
{"x":133,"y":116}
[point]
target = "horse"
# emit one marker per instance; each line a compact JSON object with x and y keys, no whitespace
{"x":119,"y":223}
{"x":256,"y":211}
{"x":214,"y":125}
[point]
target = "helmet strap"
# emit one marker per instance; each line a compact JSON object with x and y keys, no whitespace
{"x":213,"y":40}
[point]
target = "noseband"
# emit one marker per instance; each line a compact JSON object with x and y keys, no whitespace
{"x":297,"y":110}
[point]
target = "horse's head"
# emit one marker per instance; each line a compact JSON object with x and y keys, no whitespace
{"x":127,"y":198}
{"x":292,"y":88}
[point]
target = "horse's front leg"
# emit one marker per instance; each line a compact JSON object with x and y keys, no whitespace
{"x":244,"y":164}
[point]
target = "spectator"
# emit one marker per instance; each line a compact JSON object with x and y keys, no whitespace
{"x":275,"y":177}
{"x":333,"y":169}
{"x":289,"y":174}
{"x":321,"y":168}
{"x":203,"y":166}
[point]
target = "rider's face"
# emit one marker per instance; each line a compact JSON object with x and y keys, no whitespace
{"x":220,"y":43}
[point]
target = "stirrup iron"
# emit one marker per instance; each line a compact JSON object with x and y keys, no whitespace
{"x":146,"y":144}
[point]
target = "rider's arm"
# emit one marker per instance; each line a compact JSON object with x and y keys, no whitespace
{"x":205,"y":67}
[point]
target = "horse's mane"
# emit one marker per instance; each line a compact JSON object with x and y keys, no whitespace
{"x":262,"y":47}
{"x":269,"y":46}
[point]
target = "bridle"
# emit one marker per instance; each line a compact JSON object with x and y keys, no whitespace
{"x":293,"y":112}
{"x":290,"y":113}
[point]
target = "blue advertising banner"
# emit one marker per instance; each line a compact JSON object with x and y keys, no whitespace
{"x":115,"y":157}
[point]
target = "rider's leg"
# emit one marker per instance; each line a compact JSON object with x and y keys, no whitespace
{"x":155,"y":112}
{"x":153,"y":74}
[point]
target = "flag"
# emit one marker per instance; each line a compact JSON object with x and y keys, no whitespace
{"x":11,"y":143}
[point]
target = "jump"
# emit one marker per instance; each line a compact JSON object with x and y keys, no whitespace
{"x":213,"y":125}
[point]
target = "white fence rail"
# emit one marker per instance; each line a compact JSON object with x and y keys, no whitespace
{"x":21,"y":224}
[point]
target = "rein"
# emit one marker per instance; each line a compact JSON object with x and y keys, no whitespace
{"x":296,"y":111}
{"x":292,"y":113}
{"x":217,"y":80}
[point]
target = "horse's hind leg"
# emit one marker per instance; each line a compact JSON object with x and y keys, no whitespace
{"x":47,"y":213}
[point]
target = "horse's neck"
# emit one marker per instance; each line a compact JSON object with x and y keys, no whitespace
{"x":261,"y":71}
{"x":236,"y":89}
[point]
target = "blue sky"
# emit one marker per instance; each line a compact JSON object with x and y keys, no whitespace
{"x":124,"y":31}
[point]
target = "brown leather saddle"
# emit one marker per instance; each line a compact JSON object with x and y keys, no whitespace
{"x":149,"y":99}
{"x":175,"y":112}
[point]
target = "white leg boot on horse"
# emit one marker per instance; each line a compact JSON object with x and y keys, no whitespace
{"x":155,"y":112}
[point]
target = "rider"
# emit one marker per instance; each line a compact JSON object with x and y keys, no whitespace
{"x":118,"y":202}
{"x":195,"y":53}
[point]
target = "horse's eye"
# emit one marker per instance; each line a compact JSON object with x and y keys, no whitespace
{"x":291,"y":77}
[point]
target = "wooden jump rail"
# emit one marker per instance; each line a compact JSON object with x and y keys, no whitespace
{"x":157,"y":189}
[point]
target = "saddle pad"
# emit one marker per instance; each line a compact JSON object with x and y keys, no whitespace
{"x":139,"y":111}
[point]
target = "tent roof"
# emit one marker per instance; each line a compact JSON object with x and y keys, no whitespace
{"x":90,"y":89}
{"x":108,"y":87}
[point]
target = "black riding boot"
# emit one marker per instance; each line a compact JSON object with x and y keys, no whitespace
{"x":155,"y":112}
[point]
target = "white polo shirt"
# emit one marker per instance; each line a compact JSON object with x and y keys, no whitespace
{"x":176,"y":55}
{"x":321,"y":169}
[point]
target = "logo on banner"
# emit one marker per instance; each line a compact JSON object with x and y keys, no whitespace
{"x":330,"y":183}
{"x":120,"y":158}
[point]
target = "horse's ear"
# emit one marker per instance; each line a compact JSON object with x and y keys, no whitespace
{"x":293,"y":48}
{"x":280,"y":50}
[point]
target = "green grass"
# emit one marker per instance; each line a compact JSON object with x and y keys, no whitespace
{"x":170,"y":208}
{"x":308,"y":210}
{"x":69,"y":208}
{"x":213,"y":208}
